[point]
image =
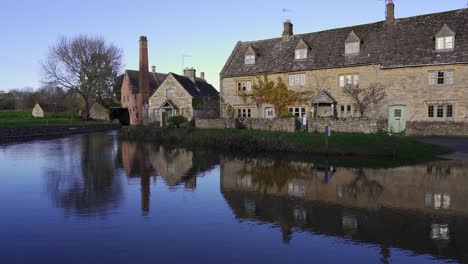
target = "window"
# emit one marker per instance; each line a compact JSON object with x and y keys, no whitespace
{"x":440,"y":111}
{"x":249,"y":59}
{"x":244,"y":112}
{"x":155,"y":112}
{"x":449,"y":111}
{"x":297,"y":111}
{"x":301,"y":54}
{"x":297,"y":79}
{"x":430,"y":111}
{"x":445,"y":43}
{"x":135,"y":97}
{"x":245,"y":86}
{"x":169,"y":92}
{"x":397,"y":113}
{"x":269,"y":112}
{"x":441,"y":77}
{"x":136,"y":114}
{"x":348,"y":79}
{"x":352,"y":48}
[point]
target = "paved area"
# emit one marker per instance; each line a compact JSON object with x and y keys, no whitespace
{"x":459,"y":145}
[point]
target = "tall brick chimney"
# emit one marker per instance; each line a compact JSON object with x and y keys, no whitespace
{"x":390,"y":12}
{"x":144,"y":75}
{"x":288,"y":30}
{"x":190,"y":73}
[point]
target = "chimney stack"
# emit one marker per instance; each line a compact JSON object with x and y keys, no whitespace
{"x":288,"y":30}
{"x":190,"y":73}
{"x":202,"y":75}
{"x":143,"y":73}
{"x":153,"y":69}
{"x":390,"y":14}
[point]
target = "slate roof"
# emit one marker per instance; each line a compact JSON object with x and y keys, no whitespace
{"x":406,"y":42}
{"x":198,"y":88}
{"x":156,"y":80}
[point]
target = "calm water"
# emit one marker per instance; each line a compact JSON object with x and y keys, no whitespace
{"x":93,"y":199}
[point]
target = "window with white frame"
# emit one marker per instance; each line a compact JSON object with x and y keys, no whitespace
{"x":348,"y":79}
{"x":441,"y":77}
{"x":155,"y":112}
{"x":244,"y":112}
{"x":352,"y":48}
{"x":169,"y":92}
{"x":445,"y":43}
{"x":440,"y":110}
{"x":301,"y":54}
{"x":244,"y":86}
{"x":297,"y":79}
{"x":249,"y":59}
{"x":297,"y":111}
{"x":348,"y":110}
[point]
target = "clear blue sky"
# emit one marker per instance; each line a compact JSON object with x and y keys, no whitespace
{"x":205,"y":29}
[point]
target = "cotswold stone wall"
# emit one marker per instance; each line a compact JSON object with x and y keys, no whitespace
{"x":424,"y":128}
{"x":277,"y":124}
{"x":348,"y":125}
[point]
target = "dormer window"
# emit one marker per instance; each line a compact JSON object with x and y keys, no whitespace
{"x":301,"y":54}
{"x":250,"y":56}
{"x":249,"y":59}
{"x":352,"y":44}
{"x":445,"y":39}
{"x":301,"y":50}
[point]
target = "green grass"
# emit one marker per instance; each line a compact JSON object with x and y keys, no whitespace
{"x":10,"y":118}
{"x":399,"y":148}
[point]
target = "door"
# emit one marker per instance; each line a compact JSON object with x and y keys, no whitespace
{"x":397,"y":118}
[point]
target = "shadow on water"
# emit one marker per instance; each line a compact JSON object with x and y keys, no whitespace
{"x":420,"y":208}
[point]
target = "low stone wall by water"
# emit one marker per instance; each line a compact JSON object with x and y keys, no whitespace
{"x":348,"y":125}
{"x":425,"y":128}
{"x":28,"y":132}
{"x":276,"y":124}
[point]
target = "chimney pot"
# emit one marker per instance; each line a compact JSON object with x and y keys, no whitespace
{"x":153,"y":69}
{"x":190,"y":73}
{"x":390,"y":14}
{"x":288,"y":30}
{"x":202,"y":75}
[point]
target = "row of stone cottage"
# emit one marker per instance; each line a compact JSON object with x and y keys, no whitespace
{"x":422,"y":61}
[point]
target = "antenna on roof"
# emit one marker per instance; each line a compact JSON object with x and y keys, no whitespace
{"x":183,"y":61}
{"x":285,"y":11}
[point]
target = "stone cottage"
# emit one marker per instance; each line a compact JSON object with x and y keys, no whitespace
{"x":176,"y":93}
{"x":138,"y":86}
{"x":422,"y":61}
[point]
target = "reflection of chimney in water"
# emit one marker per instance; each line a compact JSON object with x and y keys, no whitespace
{"x":145,"y":194}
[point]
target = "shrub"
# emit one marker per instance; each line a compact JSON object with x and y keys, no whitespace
{"x":176,"y":120}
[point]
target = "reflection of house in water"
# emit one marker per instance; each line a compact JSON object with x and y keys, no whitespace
{"x":398,"y":207}
{"x":175,"y":166}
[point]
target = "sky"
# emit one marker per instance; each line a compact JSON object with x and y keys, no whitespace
{"x":205,"y":30}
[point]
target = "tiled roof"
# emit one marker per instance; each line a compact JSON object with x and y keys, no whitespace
{"x":155,"y":80}
{"x":198,"y":88}
{"x":406,"y":42}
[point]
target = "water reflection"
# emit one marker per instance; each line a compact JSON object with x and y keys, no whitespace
{"x":408,"y":207}
{"x":81,"y":178}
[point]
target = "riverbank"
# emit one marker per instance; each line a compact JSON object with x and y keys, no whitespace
{"x":32,"y":132}
{"x":254,"y":141}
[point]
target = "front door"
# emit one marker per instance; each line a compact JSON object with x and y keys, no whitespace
{"x":397,"y":118}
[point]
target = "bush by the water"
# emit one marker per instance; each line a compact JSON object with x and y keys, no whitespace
{"x":176,"y":120}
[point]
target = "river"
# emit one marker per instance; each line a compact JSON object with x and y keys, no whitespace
{"x":94,"y":199}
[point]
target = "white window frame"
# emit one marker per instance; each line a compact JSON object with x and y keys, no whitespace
{"x":300,"y":54}
{"x":298,"y":111}
{"x":244,"y":86}
{"x":244,"y":112}
{"x":169,"y":92}
{"x":445,"y":43}
{"x":297,"y":79}
{"x":448,"y":77}
{"x":352,"y":48}
{"x":249,"y":59}
{"x":350,"y":78}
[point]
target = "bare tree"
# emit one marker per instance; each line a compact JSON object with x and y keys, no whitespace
{"x":83,"y":65}
{"x":364,"y":97}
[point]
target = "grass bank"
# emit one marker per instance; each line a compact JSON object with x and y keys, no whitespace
{"x":11,"y":118}
{"x":254,"y":141}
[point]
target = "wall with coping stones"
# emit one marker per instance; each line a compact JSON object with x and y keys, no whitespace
{"x":367,"y":126}
{"x":27,"y":132}
{"x":424,"y":128}
{"x":277,"y":124}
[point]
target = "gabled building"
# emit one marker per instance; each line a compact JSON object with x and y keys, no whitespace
{"x":175,"y":95}
{"x":138,"y":86}
{"x":422,"y":61}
